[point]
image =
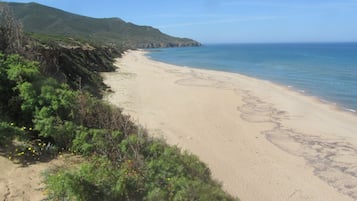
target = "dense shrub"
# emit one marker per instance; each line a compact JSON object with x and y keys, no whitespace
{"x":16,"y":76}
{"x":133,"y":168}
{"x":35,"y":101}
{"x":123,"y":163}
{"x":8,"y":132}
{"x":95,"y":113}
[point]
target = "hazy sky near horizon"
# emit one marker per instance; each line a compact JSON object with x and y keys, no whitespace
{"x":230,"y":21}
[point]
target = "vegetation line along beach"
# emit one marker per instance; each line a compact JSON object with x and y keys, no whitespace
{"x":60,"y":141}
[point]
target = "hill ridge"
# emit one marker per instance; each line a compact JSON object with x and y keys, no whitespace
{"x":40,"y":19}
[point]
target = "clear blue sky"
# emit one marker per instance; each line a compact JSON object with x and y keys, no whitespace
{"x":225,"y":21}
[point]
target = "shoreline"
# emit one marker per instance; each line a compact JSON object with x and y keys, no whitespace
{"x":263,"y":141}
{"x":338,"y":106}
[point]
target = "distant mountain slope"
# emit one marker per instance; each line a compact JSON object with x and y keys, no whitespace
{"x":41,"y":19}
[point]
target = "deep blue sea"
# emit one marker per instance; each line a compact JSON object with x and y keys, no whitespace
{"x":327,"y":71}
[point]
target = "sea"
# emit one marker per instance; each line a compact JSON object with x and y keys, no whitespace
{"x":327,"y":71}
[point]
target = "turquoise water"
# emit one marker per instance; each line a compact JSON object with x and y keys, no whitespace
{"x":327,"y":71}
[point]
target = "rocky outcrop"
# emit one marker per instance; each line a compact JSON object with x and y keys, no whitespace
{"x":77,"y":66}
{"x":171,"y":44}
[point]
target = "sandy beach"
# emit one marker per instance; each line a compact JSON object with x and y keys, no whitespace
{"x":24,"y":183}
{"x":263,"y":141}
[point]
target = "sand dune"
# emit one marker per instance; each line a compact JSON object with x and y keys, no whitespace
{"x":262,"y":141}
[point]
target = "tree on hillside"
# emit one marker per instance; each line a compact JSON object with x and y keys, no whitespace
{"x":11,"y":33}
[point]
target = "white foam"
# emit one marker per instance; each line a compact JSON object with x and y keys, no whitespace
{"x":350,"y":110}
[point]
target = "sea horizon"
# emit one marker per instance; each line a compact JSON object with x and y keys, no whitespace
{"x":324,"y":70}
{"x":276,"y":43}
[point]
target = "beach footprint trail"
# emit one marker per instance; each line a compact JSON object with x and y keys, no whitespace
{"x":334,"y":160}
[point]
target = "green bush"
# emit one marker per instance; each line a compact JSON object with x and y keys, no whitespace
{"x":34,"y":101}
{"x":54,"y":113}
{"x":97,"y":180}
{"x":133,"y":168}
{"x":8,"y":131}
{"x":123,"y":162}
{"x":15,"y":74}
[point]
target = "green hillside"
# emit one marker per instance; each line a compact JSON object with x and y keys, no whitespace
{"x":41,"y":19}
{"x":50,"y":107}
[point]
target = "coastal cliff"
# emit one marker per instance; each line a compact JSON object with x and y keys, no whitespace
{"x":78,"y":66}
